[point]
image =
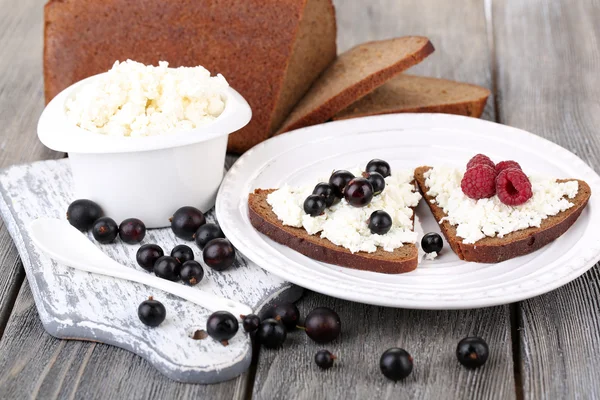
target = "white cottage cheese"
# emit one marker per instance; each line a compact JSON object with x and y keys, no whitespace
{"x":476,"y":219}
{"x":345,"y":225}
{"x":134,"y":99}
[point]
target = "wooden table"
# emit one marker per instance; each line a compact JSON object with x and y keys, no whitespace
{"x":540,"y":58}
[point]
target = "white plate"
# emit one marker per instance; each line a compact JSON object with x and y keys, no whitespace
{"x":409,"y":141}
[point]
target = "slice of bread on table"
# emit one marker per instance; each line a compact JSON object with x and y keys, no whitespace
{"x":264,"y":220}
{"x":514,"y":244}
{"x":270,"y":51}
{"x":416,"y":94}
{"x":354,"y":74}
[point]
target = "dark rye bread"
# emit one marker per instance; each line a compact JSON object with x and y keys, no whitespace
{"x":418,"y":94}
{"x":355,"y":73}
{"x":496,"y":249}
{"x":271,"y":51}
{"x":264,"y":220}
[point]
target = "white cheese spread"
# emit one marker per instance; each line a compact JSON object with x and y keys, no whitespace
{"x":477,"y":219}
{"x":134,"y":99}
{"x":347,"y":226}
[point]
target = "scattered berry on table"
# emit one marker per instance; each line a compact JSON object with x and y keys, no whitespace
{"x":472,"y":352}
{"x":513,"y":187}
{"x":396,"y":364}
{"x":147,"y":255}
{"x":271,"y":333}
{"x":132,"y":231}
{"x":191,"y":272}
{"x":186,"y":221}
{"x":358,"y":192}
{"x":379,"y":166}
{"x":380,"y":222}
{"x":480,"y":159}
{"x":219,"y":254}
{"x":339,"y":180}
{"x":222,"y":325}
{"x":502,"y":165}
{"x":206,"y":233}
{"x":326,"y":191}
{"x":432,"y":242}
{"x":479,"y":182}
{"x":152,"y":312}
{"x":287,"y":313}
{"x":376,"y":180}
{"x":322,"y":325}
{"x":105,"y":230}
{"x":250,"y":322}
{"x":182,"y":253}
{"x":314,"y":205}
{"x":83,"y":213}
{"x":168,"y":268}
{"x":324,"y":359}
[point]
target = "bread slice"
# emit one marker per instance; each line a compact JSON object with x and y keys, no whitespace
{"x":418,"y":94}
{"x":270,"y":51}
{"x":355,"y":73}
{"x":262,"y":217}
{"x":525,"y":241}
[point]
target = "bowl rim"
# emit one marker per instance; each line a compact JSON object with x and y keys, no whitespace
{"x":56,"y":132}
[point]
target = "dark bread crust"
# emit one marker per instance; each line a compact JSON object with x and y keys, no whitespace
{"x":264,"y":220}
{"x":525,"y":241}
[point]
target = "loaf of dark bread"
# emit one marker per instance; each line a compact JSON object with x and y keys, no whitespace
{"x":525,"y":241}
{"x":270,"y":51}
{"x":264,"y":220}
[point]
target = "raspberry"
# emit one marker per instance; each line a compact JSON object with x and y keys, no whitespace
{"x":513,"y":187}
{"x":480,"y":159}
{"x":479,"y":182}
{"x":502,"y":165}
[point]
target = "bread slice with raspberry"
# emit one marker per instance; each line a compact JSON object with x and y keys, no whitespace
{"x":518,"y":243}
{"x":264,"y":220}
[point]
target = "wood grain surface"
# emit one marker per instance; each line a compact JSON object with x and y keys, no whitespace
{"x":547,"y":57}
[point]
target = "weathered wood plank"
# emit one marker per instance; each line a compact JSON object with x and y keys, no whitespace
{"x":547,"y":55}
{"x":458,"y":31}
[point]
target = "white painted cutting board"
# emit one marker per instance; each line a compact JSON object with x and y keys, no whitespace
{"x":79,"y":305}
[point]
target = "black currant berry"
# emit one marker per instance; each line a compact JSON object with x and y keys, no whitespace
{"x":152,"y":312}
{"x":314,"y":205}
{"x":472,"y":352}
{"x":222,"y":325}
{"x":168,"y":268}
{"x":191,"y":272}
{"x":339,"y":180}
{"x":206,"y":233}
{"x":83,"y":213}
{"x":396,"y":364}
{"x":326,"y":191}
{"x":287,"y":313}
{"x":432,"y":242}
{"x":358,"y":192}
{"x":132,"y":231}
{"x":324,"y":359}
{"x":271,"y":333}
{"x":380,"y":166}
{"x":380,"y":222}
{"x":105,"y":230}
{"x":147,"y":255}
{"x":250,"y":322}
{"x":186,"y":221}
{"x":376,"y":180}
{"x":323,"y":325}
{"x":219,"y":254}
{"x":182,"y":253}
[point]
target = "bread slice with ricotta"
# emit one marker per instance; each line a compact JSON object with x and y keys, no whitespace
{"x":418,"y":94}
{"x":264,"y":220}
{"x":518,"y":243}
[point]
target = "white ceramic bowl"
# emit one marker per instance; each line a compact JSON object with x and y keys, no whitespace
{"x":144,"y":177}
